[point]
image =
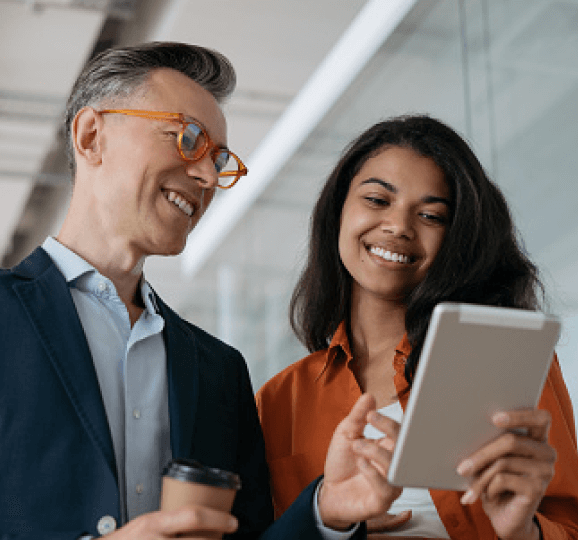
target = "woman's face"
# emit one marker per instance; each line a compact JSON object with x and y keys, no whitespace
{"x":393,"y":223}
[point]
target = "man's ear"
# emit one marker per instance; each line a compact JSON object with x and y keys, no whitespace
{"x":86,"y":136}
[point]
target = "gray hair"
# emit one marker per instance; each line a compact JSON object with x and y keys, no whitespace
{"x":120,"y":72}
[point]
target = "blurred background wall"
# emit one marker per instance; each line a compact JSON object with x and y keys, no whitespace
{"x":311,"y":76}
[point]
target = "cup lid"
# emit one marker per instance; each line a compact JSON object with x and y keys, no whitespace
{"x":190,"y":470}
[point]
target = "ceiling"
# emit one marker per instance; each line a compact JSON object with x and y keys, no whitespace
{"x":275,"y":46}
{"x":502,"y":72}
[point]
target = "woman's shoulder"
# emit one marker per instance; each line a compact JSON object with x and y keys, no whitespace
{"x":303,"y":372}
{"x":556,"y":398}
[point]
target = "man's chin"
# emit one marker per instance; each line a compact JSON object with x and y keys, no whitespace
{"x":172,"y":251}
{"x":168,"y":249}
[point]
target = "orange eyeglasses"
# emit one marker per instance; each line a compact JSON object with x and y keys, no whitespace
{"x":194,"y":142}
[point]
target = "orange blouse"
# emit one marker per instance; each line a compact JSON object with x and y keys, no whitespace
{"x":301,"y":407}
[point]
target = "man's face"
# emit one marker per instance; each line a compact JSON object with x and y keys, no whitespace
{"x":148,"y":197}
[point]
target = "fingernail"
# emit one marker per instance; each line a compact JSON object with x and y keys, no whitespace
{"x":465,"y":467}
{"x":468,"y":497}
{"x":500,"y":418}
{"x":373,"y":416}
{"x":233,"y":523}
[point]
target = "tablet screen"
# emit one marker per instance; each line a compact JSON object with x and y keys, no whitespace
{"x":475,"y":361}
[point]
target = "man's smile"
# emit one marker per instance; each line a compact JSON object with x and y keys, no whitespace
{"x":180,"y":202}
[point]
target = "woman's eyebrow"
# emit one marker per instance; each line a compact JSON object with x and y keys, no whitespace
{"x":428,"y":199}
{"x":386,"y":185}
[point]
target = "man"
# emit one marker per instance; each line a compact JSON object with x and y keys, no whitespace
{"x":101,"y":383}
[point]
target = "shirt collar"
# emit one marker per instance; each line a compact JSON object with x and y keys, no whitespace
{"x":340,"y":342}
{"x":73,"y":266}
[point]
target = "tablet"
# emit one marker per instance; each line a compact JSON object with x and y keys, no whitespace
{"x":475,"y":361}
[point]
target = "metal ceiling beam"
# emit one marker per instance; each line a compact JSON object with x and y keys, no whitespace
{"x":40,"y":107}
{"x":119,"y":9}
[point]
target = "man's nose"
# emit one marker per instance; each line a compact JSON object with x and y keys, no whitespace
{"x":203,"y":171}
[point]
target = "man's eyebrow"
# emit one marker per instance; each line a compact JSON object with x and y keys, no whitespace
{"x":428,"y":199}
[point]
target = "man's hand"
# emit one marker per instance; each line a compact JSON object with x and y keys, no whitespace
{"x":355,"y":486}
{"x":511,"y":474}
{"x":196,"y":522}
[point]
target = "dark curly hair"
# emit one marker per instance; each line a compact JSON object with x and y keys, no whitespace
{"x":481,"y":259}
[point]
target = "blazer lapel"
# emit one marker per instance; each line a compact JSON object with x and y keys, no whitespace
{"x":49,"y":305}
{"x":183,"y":379}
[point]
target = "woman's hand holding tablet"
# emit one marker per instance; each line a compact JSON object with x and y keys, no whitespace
{"x":511,"y":473}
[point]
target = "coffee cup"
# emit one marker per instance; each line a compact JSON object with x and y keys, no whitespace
{"x":187,"y":481}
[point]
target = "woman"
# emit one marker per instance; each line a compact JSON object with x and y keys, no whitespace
{"x":408,"y":219}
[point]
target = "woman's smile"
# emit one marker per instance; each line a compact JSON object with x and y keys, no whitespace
{"x":391,"y":255}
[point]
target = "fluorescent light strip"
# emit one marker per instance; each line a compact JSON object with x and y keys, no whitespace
{"x":372,"y":26}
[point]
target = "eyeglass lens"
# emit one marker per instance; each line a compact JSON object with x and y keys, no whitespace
{"x":193,"y":143}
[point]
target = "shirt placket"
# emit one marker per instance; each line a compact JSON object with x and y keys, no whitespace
{"x":142,"y":420}
{"x":137,"y":484}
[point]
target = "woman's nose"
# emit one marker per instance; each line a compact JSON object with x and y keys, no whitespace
{"x":399,"y":223}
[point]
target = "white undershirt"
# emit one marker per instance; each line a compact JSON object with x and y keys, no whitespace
{"x":425,"y":520}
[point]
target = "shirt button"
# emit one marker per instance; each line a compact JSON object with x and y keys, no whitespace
{"x":102,"y":286}
{"x":136,"y":413}
{"x":105,"y":525}
{"x":139,"y":488}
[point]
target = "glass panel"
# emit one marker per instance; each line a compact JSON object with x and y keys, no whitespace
{"x":504,"y":74}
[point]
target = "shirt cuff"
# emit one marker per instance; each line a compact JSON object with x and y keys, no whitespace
{"x":326,"y":532}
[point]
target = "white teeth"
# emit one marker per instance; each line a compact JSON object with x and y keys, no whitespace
{"x":389,"y":256}
{"x":180,"y":203}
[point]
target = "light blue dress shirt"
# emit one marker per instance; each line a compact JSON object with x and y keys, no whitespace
{"x":130,"y":365}
{"x":131,"y":369}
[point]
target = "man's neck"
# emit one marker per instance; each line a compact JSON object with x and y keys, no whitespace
{"x":116,"y":263}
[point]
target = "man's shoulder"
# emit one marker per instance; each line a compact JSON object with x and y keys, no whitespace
{"x":27,"y":269}
{"x":11,"y":275}
{"x":204,"y":341}
{"x":5,"y":274}
{"x":207,"y":339}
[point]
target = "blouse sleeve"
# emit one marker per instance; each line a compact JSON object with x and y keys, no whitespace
{"x":558,"y":511}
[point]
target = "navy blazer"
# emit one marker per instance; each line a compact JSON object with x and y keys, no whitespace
{"x":57,"y":466}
